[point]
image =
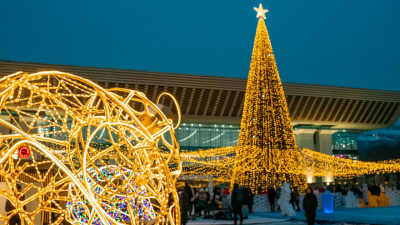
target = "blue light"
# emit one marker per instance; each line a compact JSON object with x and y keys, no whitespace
{"x":328,"y":201}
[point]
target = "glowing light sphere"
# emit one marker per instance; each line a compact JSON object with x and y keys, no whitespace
{"x":86,"y":155}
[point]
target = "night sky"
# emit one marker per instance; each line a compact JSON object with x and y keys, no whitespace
{"x":352,"y":43}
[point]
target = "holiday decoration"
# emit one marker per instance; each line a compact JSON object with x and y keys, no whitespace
{"x":24,"y":152}
{"x":266,"y":149}
{"x":320,"y":164}
{"x":220,"y":162}
{"x":85,"y":154}
{"x":351,"y":201}
{"x":284,"y":201}
{"x":267,"y":153}
{"x":328,"y":201}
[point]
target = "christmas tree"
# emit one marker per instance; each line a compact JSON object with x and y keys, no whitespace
{"x":267,"y":152}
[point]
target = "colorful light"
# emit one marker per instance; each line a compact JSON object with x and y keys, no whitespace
{"x":90,"y":149}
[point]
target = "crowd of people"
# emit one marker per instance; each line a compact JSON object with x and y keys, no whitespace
{"x":226,"y":205}
{"x":237,"y":204}
{"x":362,"y":191}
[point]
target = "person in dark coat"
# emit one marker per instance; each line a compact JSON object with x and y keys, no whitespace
{"x":375,"y":190}
{"x":345,"y":191}
{"x":310,"y":204}
{"x":245,"y":206}
{"x":250,"y":200}
{"x":237,"y":203}
{"x":271,"y":197}
{"x":189,"y":192}
{"x":216,"y":201}
{"x":184,"y":206}
{"x":296,"y":199}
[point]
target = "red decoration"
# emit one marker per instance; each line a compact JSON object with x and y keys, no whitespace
{"x":24,"y":152}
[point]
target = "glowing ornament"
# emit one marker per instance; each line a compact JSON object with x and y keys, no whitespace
{"x":260,"y":11}
{"x":24,"y":152}
{"x":98,"y":154}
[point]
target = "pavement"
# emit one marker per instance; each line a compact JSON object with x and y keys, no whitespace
{"x":253,"y":219}
{"x":365,"y":216}
{"x":370,"y":216}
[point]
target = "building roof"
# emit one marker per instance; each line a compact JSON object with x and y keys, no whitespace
{"x":209,"y":99}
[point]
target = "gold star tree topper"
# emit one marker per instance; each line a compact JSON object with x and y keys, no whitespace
{"x":260,"y":11}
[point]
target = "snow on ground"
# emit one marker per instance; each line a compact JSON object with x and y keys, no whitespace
{"x":366,"y":216}
{"x":253,"y":219}
{"x":382,"y":215}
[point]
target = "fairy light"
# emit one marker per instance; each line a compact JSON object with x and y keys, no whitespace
{"x":266,"y":153}
{"x":89,"y":149}
{"x":266,"y":138}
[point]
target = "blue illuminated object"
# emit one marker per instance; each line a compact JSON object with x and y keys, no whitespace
{"x":328,"y":201}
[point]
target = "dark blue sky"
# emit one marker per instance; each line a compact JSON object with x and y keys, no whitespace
{"x":353,"y":43}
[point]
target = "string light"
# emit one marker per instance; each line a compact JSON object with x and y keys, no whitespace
{"x":266,"y":138}
{"x":88,"y":149}
{"x":220,"y":162}
{"x":267,"y":153}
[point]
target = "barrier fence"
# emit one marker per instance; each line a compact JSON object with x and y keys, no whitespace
{"x":261,"y":203}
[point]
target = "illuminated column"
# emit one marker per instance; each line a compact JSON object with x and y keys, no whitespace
{"x":325,"y":146}
{"x":325,"y":141}
{"x":305,"y":138}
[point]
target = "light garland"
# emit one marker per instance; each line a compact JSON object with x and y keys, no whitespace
{"x":267,"y":153}
{"x":91,"y":158}
{"x":266,"y":138}
{"x":219,"y":162}
{"x":319,"y":164}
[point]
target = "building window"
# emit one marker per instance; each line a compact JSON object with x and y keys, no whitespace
{"x":344,"y":141}
{"x":193,"y":136}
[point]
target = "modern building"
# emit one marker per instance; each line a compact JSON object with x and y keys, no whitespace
{"x":325,"y":118}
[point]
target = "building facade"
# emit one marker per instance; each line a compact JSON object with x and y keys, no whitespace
{"x":325,"y":118}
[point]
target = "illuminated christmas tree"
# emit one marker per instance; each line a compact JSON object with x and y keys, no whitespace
{"x":267,"y":152}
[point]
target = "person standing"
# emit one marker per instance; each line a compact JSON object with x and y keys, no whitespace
{"x":322,"y":189}
{"x":310,"y":204}
{"x":216,"y":201}
{"x":202,"y":201}
{"x":345,"y":191}
{"x":338,"y":189}
{"x":296,"y":199}
{"x":208,"y":196}
{"x":271,"y":198}
{"x":189,"y":192}
{"x":184,"y":206}
{"x":375,"y":190}
{"x":237,"y":202}
{"x":364,"y":191}
{"x":316,"y":191}
{"x":250,"y":197}
{"x":245,"y":206}
{"x":195,"y":200}
{"x":382,"y":188}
